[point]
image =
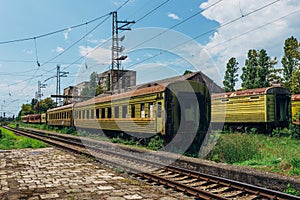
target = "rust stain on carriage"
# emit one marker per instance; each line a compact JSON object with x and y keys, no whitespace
{"x":132,"y":93}
{"x":256,"y":91}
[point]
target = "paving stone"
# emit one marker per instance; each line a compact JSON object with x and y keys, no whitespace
{"x":105,"y":187}
{"x":115,"y":198}
{"x":135,"y":196}
{"x":49,"y":196}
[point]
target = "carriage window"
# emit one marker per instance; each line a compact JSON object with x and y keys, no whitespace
{"x":92,"y":114}
{"x":159,"y":109}
{"x":109,"y":112}
{"x":143,"y":113}
{"x":88,"y":114}
{"x":97,"y":113}
{"x":254,"y":97}
{"x":116,"y":112}
{"x":102,"y":112}
{"x":150,"y":110}
{"x":132,"y":111}
{"x":224,"y":100}
{"x":124,"y":111}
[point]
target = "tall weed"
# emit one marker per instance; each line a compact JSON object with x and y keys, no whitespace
{"x":234,"y":148}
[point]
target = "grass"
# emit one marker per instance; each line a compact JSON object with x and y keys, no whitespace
{"x":275,"y":154}
{"x":9,"y":140}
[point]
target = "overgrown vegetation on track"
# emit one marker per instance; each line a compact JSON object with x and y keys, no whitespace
{"x":8,"y":140}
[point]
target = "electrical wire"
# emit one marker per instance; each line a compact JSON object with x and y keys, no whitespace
{"x":252,"y":30}
{"x":53,"y":32}
{"x":181,"y":22}
{"x":151,"y":11}
{"x":202,"y":34}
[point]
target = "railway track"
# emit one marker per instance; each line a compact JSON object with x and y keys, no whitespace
{"x":197,"y":184}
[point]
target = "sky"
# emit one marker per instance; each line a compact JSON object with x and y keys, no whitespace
{"x":167,"y":38}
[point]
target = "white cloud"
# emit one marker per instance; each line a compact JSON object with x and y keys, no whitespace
{"x":59,"y":49}
{"x":173,"y":16}
{"x":66,"y":35}
{"x":254,"y":31}
{"x":99,"y":55}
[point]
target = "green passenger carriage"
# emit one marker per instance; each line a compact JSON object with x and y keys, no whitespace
{"x":263,"y":108}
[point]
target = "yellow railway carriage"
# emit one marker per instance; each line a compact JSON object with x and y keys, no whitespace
{"x":175,"y":107}
{"x":60,"y":116}
{"x":166,"y":109}
{"x":260,"y":107}
{"x":296,"y":108}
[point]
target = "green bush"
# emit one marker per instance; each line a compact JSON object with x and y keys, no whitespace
{"x":292,"y":131}
{"x":67,"y":130}
{"x":156,"y":143}
{"x":291,"y":190}
{"x":295,"y":162}
{"x":234,"y":148}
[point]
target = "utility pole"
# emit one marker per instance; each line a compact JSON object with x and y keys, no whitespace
{"x":115,"y":49}
{"x":39,"y":93}
{"x":58,"y":75}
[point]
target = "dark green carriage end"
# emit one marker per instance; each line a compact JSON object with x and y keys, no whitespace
{"x":187,"y":105}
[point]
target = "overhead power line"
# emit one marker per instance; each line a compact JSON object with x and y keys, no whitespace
{"x":202,"y":34}
{"x":151,"y":11}
{"x":181,"y":22}
{"x":53,"y":32}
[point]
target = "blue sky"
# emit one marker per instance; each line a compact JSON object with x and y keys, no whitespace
{"x":266,"y":24}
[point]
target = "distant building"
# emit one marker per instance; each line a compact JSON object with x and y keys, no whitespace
{"x":74,"y":91}
{"x":79,"y":87}
{"x":69,"y":91}
{"x":127,"y":78}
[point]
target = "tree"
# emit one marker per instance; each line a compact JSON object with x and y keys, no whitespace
{"x":258,"y":70}
{"x":249,"y":70}
{"x":92,"y":89}
{"x":26,"y":109}
{"x":295,"y":81}
{"x":290,"y":60}
{"x":187,"y":72}
{"x":45,"y":105}
{"x":231,"y":75}
{"x":264,"y":69}
{"x":33,"y":103}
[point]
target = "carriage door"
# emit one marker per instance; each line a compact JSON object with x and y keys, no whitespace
{"x":159,"y":115}
{"x":282,"y":106}
{"x":189,"y":112}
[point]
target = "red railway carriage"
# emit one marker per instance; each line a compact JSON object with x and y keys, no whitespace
{"x":25,"y":118}
{"x":35,"y":118}
{"x":32,"y":118}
